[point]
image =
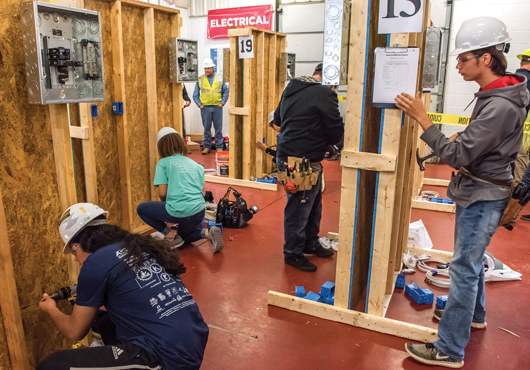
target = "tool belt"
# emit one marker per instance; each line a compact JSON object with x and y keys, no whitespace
{"x":464,"y":172}
{"x":233,"y":214}
{"x":300,"y":173}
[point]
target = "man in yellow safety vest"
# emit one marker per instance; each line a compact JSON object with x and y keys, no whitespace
{"x":211,"y":95}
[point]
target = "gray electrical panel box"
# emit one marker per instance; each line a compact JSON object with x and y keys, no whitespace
{"x":63,"y":54}
{"x":183,"y":62}
{"x":336,"y":42}
{"x":287,"y":65}
{"x":431,"y":57}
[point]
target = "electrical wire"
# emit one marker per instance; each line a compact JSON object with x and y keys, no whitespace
{"x":430,"y":273}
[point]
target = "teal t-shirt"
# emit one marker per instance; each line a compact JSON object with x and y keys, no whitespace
{"x":185,"y":180}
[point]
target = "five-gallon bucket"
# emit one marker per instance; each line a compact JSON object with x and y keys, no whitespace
{"x":221,"y":160}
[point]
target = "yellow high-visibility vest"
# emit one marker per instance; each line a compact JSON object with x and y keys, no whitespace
{"x":210,"y":95}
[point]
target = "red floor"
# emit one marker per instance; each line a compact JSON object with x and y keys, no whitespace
{"x":231,"y":290}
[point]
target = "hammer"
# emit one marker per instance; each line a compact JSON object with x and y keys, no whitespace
{"x":420,"y":160}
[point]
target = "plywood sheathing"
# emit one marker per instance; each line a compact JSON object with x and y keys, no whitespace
{"x":29,"y":185}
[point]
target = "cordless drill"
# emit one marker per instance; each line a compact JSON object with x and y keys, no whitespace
{"x":68,"y":292}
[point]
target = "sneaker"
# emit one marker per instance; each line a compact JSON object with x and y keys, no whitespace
{"x":205,"y":151}
{"x":428,"y":354}
{"x":324,"y":242}
{"x":301,"y":263}
{"x":216,"y":238}
{"x":437,"y":314}
{"x":177,"y":242}
{"x":320,"y":252}
{"x":157,"y":235}
{"x":335,"y":245}
{"x":525,"y":217}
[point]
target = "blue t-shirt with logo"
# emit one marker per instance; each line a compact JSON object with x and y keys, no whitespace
{"x":185,"y":180}
{"x":149,"y":307}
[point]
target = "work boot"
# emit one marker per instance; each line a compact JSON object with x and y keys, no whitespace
{"x":525,"y":217}
{"x":301,"y":263}
{"x":320,"y":251}
{"x":216,"y":238}
{"x":437,"y":314}
{"x":205,"y":151}
{"x":429,"y":354}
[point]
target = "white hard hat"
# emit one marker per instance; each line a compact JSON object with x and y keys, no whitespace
{"x":208,"y":63}
{"x":271,"y":116}
{"x":165,"y":131}
{"x":480,"y":32}
{"x":76,"y":218}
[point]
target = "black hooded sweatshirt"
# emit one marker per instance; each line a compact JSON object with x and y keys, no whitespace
{"x":525,"y":72}
{"x":309,"y":118}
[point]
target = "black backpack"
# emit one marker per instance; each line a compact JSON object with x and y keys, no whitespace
{"x":233,"y":214}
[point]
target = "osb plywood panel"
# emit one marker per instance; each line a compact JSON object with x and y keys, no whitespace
{"x":105,"y":129}
{"x":163,"y":86}
{"x":5,"y":363}
{"x":29,"y":186}
{"x":136,"y":106}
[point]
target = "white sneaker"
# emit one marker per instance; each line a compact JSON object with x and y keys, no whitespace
{"x":177,"y":242}
{"x":216,"y":238}
{"x":157,"y":235}
{"x":335,"y":246}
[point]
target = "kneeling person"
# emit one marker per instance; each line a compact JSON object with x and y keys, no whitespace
{"x":137,"y":279}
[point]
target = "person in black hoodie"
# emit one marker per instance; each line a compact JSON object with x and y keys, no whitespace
{"x":309,"y":120}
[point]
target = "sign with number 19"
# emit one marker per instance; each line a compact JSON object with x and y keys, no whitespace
{"x":400,"y":16}
{"x":246,"y":47}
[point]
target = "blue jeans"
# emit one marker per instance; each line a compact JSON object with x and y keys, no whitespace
{"x":474,"y":227}
{"x":155,"y":215}
{"x":301,"y":222}
{"x":209,"y":114}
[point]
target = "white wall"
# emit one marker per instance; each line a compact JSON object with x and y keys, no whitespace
{"x":195,"y":28}
{"x":516,"y":15}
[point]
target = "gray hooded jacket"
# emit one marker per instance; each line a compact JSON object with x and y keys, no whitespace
{"x":487,"y":147}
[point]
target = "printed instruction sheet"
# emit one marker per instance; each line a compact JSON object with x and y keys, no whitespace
{"x":396,"y":71}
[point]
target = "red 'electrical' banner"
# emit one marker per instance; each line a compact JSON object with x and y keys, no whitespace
{"x":220,"y":21}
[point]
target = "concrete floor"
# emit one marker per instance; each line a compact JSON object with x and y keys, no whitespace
{"x":231,"y":290}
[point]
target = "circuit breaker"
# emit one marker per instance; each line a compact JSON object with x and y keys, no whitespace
{"x":183,"y":63}
{"x":336,"y":42}
{"x":63,"y":54}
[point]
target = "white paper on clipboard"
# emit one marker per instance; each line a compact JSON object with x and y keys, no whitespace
{"x":396,"y":71}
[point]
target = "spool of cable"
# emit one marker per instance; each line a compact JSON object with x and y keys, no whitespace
{"x":429,"y":194}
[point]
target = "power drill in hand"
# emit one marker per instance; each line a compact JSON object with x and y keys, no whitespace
{"x":69,"y":293}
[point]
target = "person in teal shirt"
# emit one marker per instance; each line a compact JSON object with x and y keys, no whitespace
{"x":180,"y":182}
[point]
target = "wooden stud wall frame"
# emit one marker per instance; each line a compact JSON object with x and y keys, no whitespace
{"x":255,"y":90}
{"x":395,"y":167}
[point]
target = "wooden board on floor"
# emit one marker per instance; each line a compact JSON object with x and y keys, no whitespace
{"x":353,"y":318}
{"x":437,"y":254}
{"x":436,"y":182}
{"x":432,"y":206}
{"x":238,"y":182}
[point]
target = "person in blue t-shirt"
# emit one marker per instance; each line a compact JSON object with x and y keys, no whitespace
{"x":137,"y":280}
{"x":180,"y":182}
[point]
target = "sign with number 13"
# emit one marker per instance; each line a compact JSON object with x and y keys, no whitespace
{"x":246,"y":47}
{"x":400,"y":16}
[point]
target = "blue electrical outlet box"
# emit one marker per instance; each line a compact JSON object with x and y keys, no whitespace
{"x":94,"y":110}
{"x":312,"y":296}
{"x":400,"y":281}
{"x":117,"y":107}
{"x":441,"y":301}
{"x":420,"y":296}
{"x":328,"y":289}
{"x":299,"y":291}
{"x":213,"y":223}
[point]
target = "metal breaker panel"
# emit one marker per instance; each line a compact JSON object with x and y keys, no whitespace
{"x":336,"y":42}
{"x":431,"y":58}
{"x":183,"y":63}
{"x":287,"y":65}
{"x":63,"y":52}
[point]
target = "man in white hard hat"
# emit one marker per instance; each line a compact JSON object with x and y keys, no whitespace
{"x":483,"y":154}
{"x":211,"y":95}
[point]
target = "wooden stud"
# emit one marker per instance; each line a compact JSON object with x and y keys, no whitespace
{"x":353,"y":318}
{"x":247,"y":126}
{"x":140,"y":4}
{"x":368,"y":161}
{"x":239,"y":111}
{"x":176,"y":88}
{"x":436,"y":182}
{"x":152,"y":100}
{"x":352,"y":138}
{"x":77,"y":132}
{"x":434,"y":253}
{"x":239,"y":182}
{"x":121,"y":119}
{"x":247,"y":31}
{"x":432,"y":206}
{"x":9,"y":303}
{"x":260,"y":102}
{"x":272,"y":99}
{"x":89,"y":155}
{"x":232,"y":105}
